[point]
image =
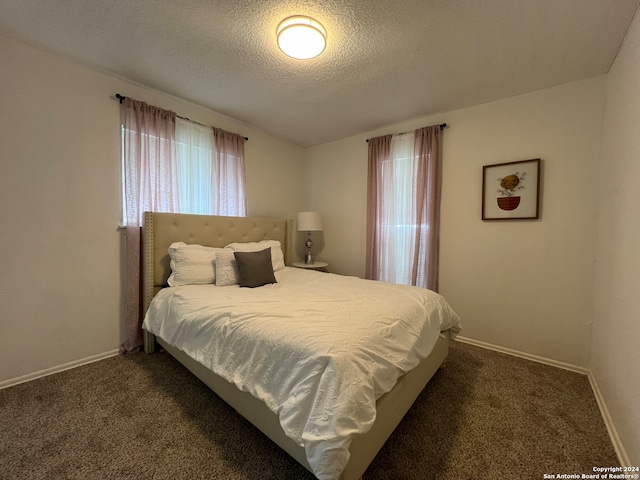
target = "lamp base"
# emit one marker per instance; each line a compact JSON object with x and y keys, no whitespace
{"x":308,"y":259}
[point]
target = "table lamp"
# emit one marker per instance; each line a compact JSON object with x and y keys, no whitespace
{"x":309,"y":222}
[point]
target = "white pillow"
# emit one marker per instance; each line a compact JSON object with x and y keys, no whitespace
{"x":277,"y":257}
{"x":191,"y":264}
{"x":227,"y":272}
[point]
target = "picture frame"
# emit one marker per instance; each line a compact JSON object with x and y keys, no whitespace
{"x":511,"y":191}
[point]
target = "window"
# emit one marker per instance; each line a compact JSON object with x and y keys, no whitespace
{"x":185,"y":168}
{"x":403,"y":208}
{"x":170,"y":164}
{"x":398,"y":226}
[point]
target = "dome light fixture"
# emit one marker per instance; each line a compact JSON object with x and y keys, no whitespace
{"x":301,"y":37}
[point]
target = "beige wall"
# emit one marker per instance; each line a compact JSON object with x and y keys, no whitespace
{"x":615,"y":360}
{"x":523,"y":285}
{"x":60,"y":288}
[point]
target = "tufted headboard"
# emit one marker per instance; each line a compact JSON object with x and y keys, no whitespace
{"x":162,"y":229}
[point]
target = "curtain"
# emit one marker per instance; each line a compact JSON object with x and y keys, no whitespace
{"x":171,"y":164}
{"x":194,"y":160}
{"x":403,"y":205}
{"x":379,"y":154}
{"x":149,"y":184}
{"x":230,"y":179}
{"x":210,"y":170}
{"x":427,"y":150}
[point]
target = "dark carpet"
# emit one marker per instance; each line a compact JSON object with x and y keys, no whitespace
{"x":486,"y":415}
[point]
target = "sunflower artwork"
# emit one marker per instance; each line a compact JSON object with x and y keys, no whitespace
{"x":509,"y":185}
{"x":510,"y":191}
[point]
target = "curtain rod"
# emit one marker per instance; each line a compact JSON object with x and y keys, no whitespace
{"x":122,"y":97}
{"x":442,"y":127}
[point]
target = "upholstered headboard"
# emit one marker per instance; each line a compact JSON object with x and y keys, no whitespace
{"x":162,"y":229}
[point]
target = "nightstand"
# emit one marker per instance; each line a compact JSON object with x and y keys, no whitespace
{"x":319,"y":266}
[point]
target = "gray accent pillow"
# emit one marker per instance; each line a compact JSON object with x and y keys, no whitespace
{"x":255,"y":268}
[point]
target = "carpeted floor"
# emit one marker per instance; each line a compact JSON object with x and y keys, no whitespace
{"x":486,"y":415}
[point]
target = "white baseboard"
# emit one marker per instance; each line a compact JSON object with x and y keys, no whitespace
{"x":613,"y":433}
{"x":527,"y":356}
{"x":59,"y":368}
{"x":623,"y":458}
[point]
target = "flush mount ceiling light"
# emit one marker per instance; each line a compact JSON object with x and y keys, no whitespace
{"x":301,"y":37}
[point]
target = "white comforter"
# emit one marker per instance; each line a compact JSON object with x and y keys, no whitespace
{"x":317,"y":348}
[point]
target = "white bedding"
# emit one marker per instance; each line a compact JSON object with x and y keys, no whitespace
{"x":317,"y":348}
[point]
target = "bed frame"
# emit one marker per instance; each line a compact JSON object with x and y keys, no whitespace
{"x":162,"y":229}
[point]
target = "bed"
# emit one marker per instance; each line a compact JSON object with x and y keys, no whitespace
{"x":274,"y":413}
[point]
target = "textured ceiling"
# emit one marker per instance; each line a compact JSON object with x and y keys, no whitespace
{"x":386,"y":61}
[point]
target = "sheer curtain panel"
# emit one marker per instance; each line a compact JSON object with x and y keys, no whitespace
{"x":196,"y":170}
{"x":403,"y":205}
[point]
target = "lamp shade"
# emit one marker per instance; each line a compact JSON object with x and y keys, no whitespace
{"x":309,"y":222}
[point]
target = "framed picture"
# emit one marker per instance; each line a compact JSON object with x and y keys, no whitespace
{"x":511,"y":191}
